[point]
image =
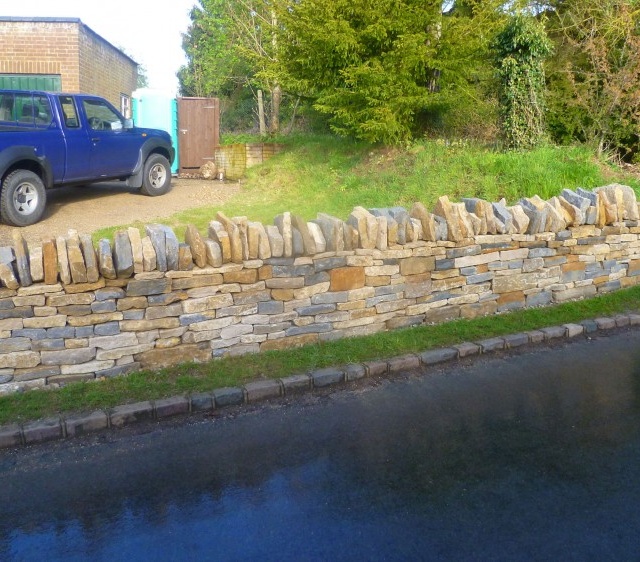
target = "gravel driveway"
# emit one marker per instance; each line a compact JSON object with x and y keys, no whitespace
{"x":95,"y":206}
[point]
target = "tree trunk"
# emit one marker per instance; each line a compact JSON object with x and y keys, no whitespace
{"x":263,"y":125}
{"x":276,"y":99}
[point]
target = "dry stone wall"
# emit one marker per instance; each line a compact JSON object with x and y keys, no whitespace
{"x":71,"y":311}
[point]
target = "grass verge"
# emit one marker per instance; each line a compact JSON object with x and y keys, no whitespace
{"x":234,"y":371}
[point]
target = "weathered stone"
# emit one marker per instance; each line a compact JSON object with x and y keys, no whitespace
{"x":36,"y":266}
{"x":68,"y":356}
{"x":253,"y":239}
{"x":105,"y":260}
{"x":185,"y":258}
{"x":435,"y":356}
{"x":8,"y":276}
{"x":625,"y":200}
{"x":135,"y":240}
{"x":519,"y":218}
{"x":298,"y":244}
{"x":576,"y":214}
{"x":22,"y":258}
{"x":607,"y":210}
{"x":503,"y":217}
{"x":318,"y":237}
{"x":89,"y":258}
{"x":157,"y":235}
{"x":465,"y":221}
{"x":172,"y":248}
{"x":276,"y":241}
{"x":283,"y":222}
{"x":144,"y":287}
{"x":444,"y":209}
{"x":50,"y":261}
{"x":308,"y":242}
{"x":325,"y":377}
{"x":130,"y":413}
{"x":77,"y":268}
{"x":42,"y":430}
{"x":63,"y":260}
{"x":213,"y":253}
{"x":347,"y":278}
{"x":262,"y":390}
{"x":122,"y":255}
{"x":80,"y":424}
{"x":149,"y":260}
{"x":242,"y":226}
{"x":333,"y":232}
{"x":219,"y":235}
{"x":576,"y":200}
{"x":196,"y":244}
{"x":158,"y":358}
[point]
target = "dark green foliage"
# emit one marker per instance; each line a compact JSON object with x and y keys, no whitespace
{"x":521,"y":49}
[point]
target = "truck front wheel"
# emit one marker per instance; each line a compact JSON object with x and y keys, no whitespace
{"x":156,"y":178}
{"x":23,"y":198}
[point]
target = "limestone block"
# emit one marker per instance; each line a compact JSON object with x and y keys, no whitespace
{"x":520,"y":220}
{"x":625,"y":199}
{"x":537,"y":216}
{"x":149,"y":260}
{"x":172,"y":248}
{"x":122,"y":255}
{"x":8,"y":276}
{"x":185,"y":257}
{"x":196,"y":243}
{"x":242,"y":224}
{"x":382,"y":240}
{"x":573,"y":198}
{"x":63,"y":260}
{"x":22,"y":258}
{"x":276,"y":241}
{"x":504,"y":219}
{"x":332,"y":230}
{"x":89,"y":257}
{"x":219,"y":235}
{"x":285,"y":228}
{"x":158,"y":240}
{"x":420,"y":212}
{"x":308,"y":241}
{"x":316,"y":233}
{"x":576,"y":214}
{"x":36,"y":266}
{"x":136,"y":249}
{"x":444,"y":209}
{"x":50,"y":261}
{"x":77,"y":266}
{"x":347,"y":278}
{"x":358,"y":220}
{"x":213,"y":253}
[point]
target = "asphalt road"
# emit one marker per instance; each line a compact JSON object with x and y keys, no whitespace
{"x":531,"y":456}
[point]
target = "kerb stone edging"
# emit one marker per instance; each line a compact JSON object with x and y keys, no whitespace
{"x":77,"y":424}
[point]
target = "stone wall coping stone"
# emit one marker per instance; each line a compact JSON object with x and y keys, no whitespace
{"x":76,"y":424}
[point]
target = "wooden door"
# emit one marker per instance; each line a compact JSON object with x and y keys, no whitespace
{"x":198,"y":132}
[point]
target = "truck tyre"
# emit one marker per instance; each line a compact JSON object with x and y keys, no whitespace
{"x":23,"y":198}
{"x":156,"y":177}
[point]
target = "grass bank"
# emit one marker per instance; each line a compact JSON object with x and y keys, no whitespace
{"x":233,"y":371}
{"x":333,"y":175}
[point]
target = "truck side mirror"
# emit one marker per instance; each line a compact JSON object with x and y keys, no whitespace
{"x":128,"y":123}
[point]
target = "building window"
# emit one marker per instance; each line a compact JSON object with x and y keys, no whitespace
{"x":125,"y":106}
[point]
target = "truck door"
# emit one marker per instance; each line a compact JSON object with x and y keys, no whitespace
{"x":78,"y":165}
{"x":114,"y":150}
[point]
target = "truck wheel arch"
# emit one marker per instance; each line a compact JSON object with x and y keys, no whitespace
{"x":152,"y":146}
{"x":23,"y":158}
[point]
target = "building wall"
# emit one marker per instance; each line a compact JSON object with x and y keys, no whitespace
{"x":85,"y":61}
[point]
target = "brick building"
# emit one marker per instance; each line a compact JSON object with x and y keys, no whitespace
{"x":63,"y":54}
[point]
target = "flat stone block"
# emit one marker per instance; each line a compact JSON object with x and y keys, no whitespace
{"x":296,"y":383}
{"x":605,"y":323}
{"x":404,"y":363}
{"x":42,"y":430}
{"x":590,"y":326}
{"x":131,"y":413}
{"x":10,"y":436}
{"x":261,"y":390}
{"x":516,"y":340}
{"x":554,"y":332}
{"x":326,"y":377}
{"x":491,"y":344}
{"x":377,"y":368}
{"x":229,"y":396}
{"x":467,"y":348}
{"x":354,"y":372}
{"x":172,"y":406}
{"x":535,"y":336}
{"x":634,"y":319}
{"x":434,"y":356}
{"x":79,"y":424}
{"x":574,"y":330}
{"x":201,"y":402}
{"x":622,"y":320}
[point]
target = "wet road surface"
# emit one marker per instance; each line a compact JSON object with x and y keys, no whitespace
{"x":534,"y":456}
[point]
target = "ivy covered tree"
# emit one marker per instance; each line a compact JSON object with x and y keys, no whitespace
{"x":521,"y":49}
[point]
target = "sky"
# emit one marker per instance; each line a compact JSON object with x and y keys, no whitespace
{"x":149,"y":31}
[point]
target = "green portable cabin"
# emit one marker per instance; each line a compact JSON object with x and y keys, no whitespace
{"x":155,"y":109}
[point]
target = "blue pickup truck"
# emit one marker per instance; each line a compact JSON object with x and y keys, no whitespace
{"x":51,"y":140}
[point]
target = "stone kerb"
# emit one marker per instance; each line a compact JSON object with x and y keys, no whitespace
{"x":71,"y":311}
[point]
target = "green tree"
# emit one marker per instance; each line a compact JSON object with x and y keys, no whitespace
{"x":377,"y":67}
{"x":521,"y":48}
{"x":232,"y":44}
{"x":595,"y":73}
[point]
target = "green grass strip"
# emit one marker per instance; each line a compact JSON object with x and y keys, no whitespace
{"x":235,"y":371}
